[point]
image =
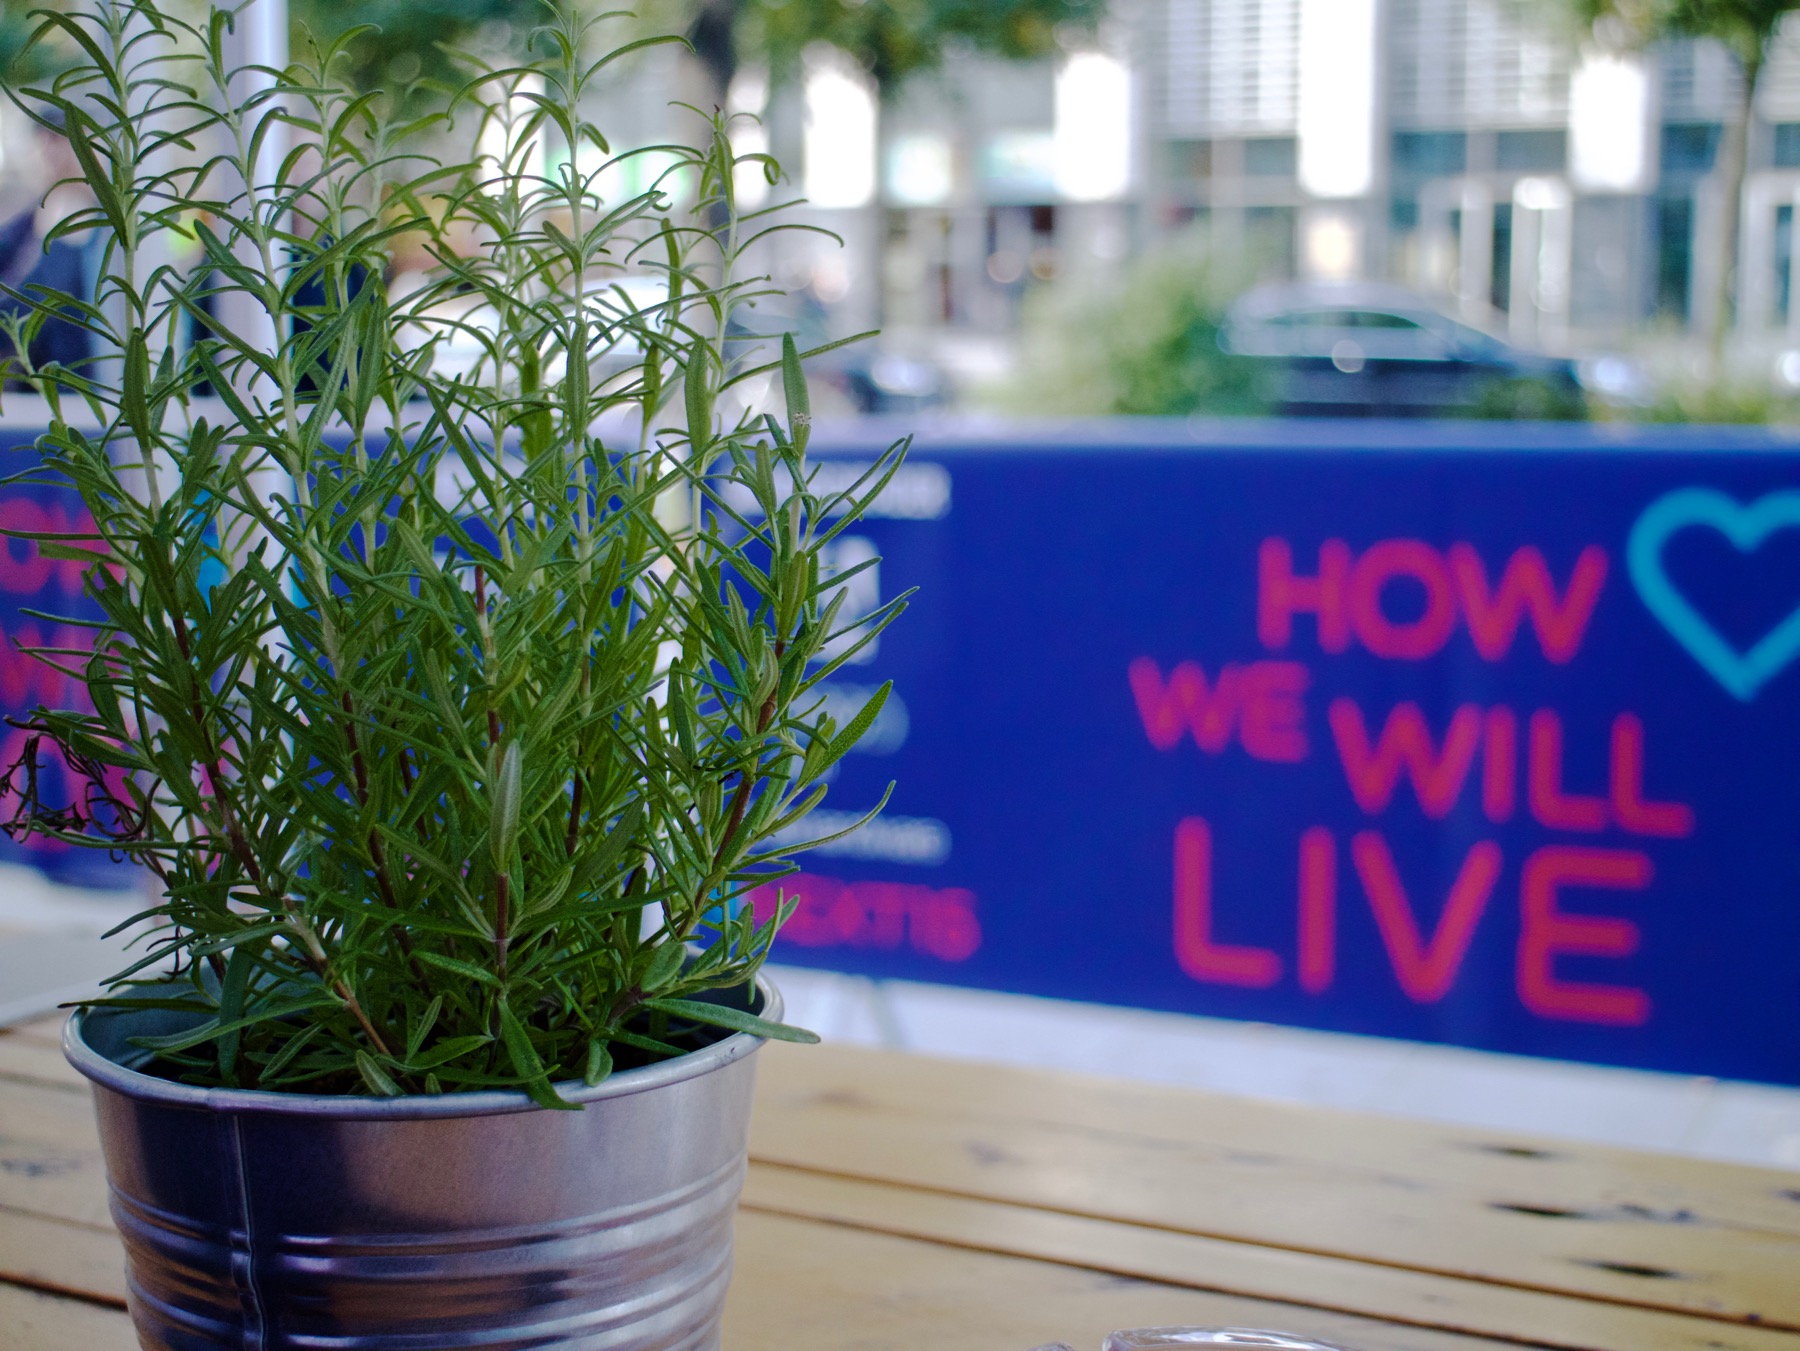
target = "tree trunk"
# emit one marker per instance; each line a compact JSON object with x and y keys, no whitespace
{"x":715,"y":52}
{"x":1732,"y":162}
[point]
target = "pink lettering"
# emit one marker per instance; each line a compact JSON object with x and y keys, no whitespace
{"x":1526,"y":588}
{"x":1426,"y":969}
{"x":1547,"y":932}
{"x":1405,"y":745}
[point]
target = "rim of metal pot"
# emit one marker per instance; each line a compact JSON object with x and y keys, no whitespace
{"x":351,"y":1107}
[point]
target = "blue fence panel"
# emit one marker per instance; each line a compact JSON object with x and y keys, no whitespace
{"x":1480,"y":735}
{"x":32,"y":587}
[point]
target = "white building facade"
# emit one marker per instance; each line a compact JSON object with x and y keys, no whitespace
{"x":1552,"y":190}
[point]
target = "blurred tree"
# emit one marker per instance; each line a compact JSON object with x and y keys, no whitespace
{"x":23,"y":63}
{"x":409,"y":36}
{"x":1747,"y":29}
{"x":889,"y":38}
{"x":1143,"y":340}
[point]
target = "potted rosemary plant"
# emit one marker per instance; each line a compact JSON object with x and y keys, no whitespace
{"x":449,"y":704}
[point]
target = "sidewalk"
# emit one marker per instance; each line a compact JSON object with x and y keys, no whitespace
{"x":50,"y":945}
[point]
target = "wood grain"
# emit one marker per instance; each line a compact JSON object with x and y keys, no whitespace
{"x":46,"y":1029}
{"x":1322,"y":1283}
{"x":899,"y":1202}
{"x":801,"y":1285}
{"x":50,"y":1162}
{"x":62,"y":1257}
{"x":33,"y":1321}
{"x":34,"y":1058}
{"x":1677,"y":1234}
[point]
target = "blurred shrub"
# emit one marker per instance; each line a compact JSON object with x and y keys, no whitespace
{"x":1720,"y":401}
{"x":1527,"y":398}
{"x":1141,"y":339}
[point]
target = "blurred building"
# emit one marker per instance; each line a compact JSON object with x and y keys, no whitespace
{"x":1494,"y":163}
{"x":1467,"y":147}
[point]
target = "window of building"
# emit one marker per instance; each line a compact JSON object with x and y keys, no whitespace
{"x":1787,"y":145}
{"x":1403,"y":214}
{"x":1688,"y":147}
{"x":1271,"y":156}
{"x":1532,"y":152}
{"x":1475,"y":62}
{"x":1190,"y":161}
{"x":1430,"y":154}
{"x":1674,"y":255}
{"x":1784,"y":261}
{"x":1231,"y":66}
{"x":1500,"y":260}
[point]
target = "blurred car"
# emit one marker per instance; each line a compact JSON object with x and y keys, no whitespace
{"x":1347,"y":349}
{"x":862,"y":377}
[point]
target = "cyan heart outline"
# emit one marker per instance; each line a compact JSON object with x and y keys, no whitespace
{"x":1746,"y":525}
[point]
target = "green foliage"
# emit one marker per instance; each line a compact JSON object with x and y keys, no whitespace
{"x":1145,"y":341}
{"x":1723,"y":401}
{"x":22,"y":61}
{"x":404,"y":40}
{"x":894,"y":38}
{"x":1745,"y":26}
{"x":890,"y":38}
{"x":454,"y":730}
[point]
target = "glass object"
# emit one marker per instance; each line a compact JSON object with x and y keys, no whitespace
{"x":1155,"y":1339}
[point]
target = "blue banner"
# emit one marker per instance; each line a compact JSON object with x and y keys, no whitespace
{"x":1486,"y":735}
{"x":1483,"y":734}
{"x":32,"y":587}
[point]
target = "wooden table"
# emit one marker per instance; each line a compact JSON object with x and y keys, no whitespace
{"x":903,"y":1204}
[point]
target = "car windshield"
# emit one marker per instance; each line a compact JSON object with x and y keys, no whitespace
{"x":1344,"y":318}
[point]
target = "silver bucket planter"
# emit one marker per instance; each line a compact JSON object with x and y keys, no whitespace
{"x":274,"y":1221}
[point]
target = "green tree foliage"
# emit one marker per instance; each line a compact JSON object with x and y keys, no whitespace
{"x":890,"y":38}
{"x":407,"y":38}
{"x":1144,"y":341}
{"x":22,"y":61}
{"x":454,"y":730}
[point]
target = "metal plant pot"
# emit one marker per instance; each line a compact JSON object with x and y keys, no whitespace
{"x":276,"y":1221}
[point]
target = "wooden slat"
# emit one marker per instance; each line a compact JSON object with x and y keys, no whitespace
{"x":46,"y":1029}
{"x":1326,"y":1283}
{"x":50,"y":1162}
{"x":55,"y":1255}
{"x":1076,"y":1173}
{"x":37,"y":1061}
{"x":1656,"y":1231}
{"x":802,"y":1285}
{"x":33,"y":1321}
{"x":1723,"y":1195}
{"x":807,"y":1286}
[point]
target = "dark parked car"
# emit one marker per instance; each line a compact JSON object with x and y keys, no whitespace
{"x":1347,"y":349}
